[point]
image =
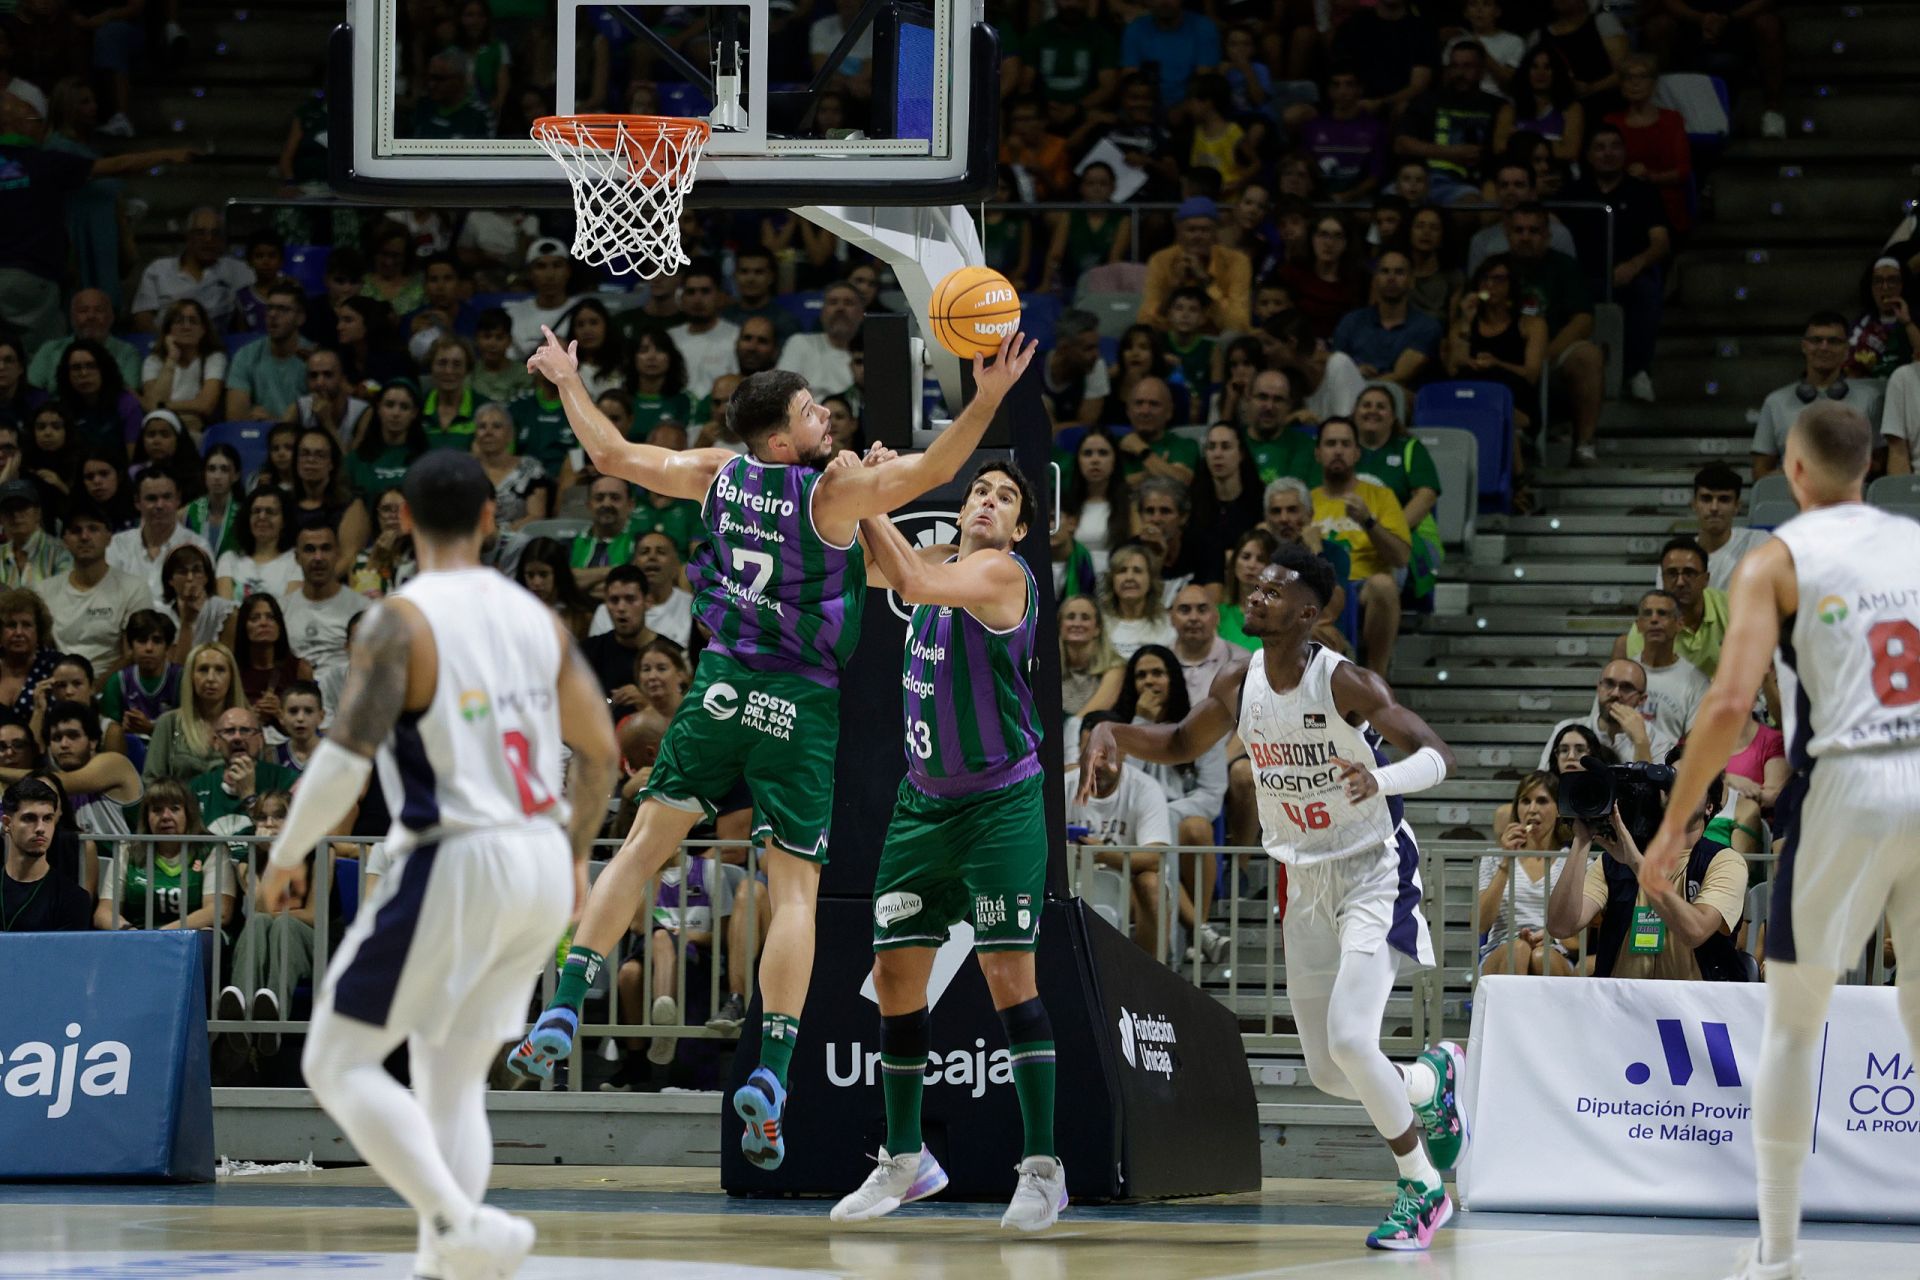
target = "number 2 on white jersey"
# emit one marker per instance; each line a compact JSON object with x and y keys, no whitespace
{"x":761,"y":562}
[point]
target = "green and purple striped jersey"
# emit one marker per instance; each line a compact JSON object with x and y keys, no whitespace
{"x":970,"y":721}
{"x":775,"y":595}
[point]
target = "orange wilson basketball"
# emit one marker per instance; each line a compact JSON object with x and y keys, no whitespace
{"x":973,"y":309}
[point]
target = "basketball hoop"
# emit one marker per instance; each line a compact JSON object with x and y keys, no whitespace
{"x":630,"y":175}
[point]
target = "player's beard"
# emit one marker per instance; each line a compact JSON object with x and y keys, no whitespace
{"x":821,"y":455}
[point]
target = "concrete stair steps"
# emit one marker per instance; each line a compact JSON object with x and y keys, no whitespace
{"x":1505,"y":620}
{"x":1810,"y":192}
{"x":1555,"y":572}
{"x":1556,"y":596}
{"x":1620,"y":449}
{"x":1623,"y":419}
{"x":1453,"y":651}
{"x":1637,"y":547}
{"x":1651,"y":499}
{"x":1508,"y":680}
{"x":1572,"y":523}
{"x":1614,"y":471}
{"x":1741,"y":233}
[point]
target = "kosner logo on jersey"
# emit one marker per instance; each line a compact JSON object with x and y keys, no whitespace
{"x":1147,"y":1042}
{"x":37,"y":1069}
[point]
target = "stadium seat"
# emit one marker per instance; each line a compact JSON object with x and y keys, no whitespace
{"x":1113,"y":277}
{"x":1039,"y":312}
{"x":306,"y":266}
{"x":1771,"y":513}
{"x":249,"y":436}
{"x":1456,"y":456}
{"x":1116,"y":311}
{"x":804,"y":306}
{"x":1899,"y":494}
{"x":1485,"y":409}
{"x":559,"y":530}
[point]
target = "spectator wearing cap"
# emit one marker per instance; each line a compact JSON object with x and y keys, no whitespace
{"x":1823,"y":347}
{"x":1451,"y":127}
{"x":449,"y":109}
{"x":1172,"y":42}
{"x":203,"y":272}
{"x":143,"y":549}
{"x":32,"y":555}
{"x":91,"y":316}
{"x":33,"y":252}
{"x":1638,"y":247}
{"x":267,"y":375}
{"x":1716,"y":502}
{"x":90,"y":603}
{"x":1197,"y":260}
{"x":1389,"y":340}
{"x":550,"y":272}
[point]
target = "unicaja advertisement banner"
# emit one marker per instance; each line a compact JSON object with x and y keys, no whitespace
{"x":1640,"y":1096}
{"x":103,"y":1057}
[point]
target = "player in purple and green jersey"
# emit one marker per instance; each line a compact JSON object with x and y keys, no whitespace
{"x":780,"y":586}
{"x":968,"y":840}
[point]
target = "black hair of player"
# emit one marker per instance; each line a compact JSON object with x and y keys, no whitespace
{"x":1315,"y":574}
{"x":762,"y":405}
{"x":29,"y":791}
{"x":78,"y":712}
{"x":446,"y":491}
{"x":1011,"y":470}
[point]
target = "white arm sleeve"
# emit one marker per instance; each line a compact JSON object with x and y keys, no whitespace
{"x":1424,"y":768}
{"x":332,"y":782}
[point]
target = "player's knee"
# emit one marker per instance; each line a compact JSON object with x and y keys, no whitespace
{"x":1351,"y":1047}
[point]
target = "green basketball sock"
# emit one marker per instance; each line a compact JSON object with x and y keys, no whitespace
{"x":903,"y":1075}
{"x":778,"y":1032}
{"x":576,"y":975}
{"x":1030,"y":1037}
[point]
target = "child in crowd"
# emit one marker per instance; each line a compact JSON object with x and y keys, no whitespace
{"x":300,"y":714}
{"x":1186,"y":316}
{"x":495,"y":376}
{"x":147,"y":684}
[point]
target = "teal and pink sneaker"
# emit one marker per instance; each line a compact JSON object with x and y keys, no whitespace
{"x":760,"y":1102}
{"x":1444,"y":1116}
{"x":1416,"y":1214}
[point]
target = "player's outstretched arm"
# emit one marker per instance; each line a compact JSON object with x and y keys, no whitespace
{"x":1360,"y":692}
{"x":1210,"y":721}
{"x":684,"y":473}
{"x":1764,"y":590}
{"x":378,"y":677}
{"x":988,"y":584}
{"x":850,"y":494}
{"x":587,"y":730}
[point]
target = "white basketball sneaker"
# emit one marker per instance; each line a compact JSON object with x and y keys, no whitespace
{"x":895,"y":1180}
{"x":490,"y":1245}
{"x":1040,"y":1197}
{"x":1751,"y":1268}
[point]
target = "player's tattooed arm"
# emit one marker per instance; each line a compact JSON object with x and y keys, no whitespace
{"x":587,"y":730}
{"x":376,"y":689}
{"x":1212,"y":719}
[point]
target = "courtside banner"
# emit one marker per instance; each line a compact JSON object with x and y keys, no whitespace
{"x":103,"y":1056}
{"x":1607,"y":1096}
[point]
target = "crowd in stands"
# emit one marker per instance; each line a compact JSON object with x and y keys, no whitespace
{"x":1336,"y":206}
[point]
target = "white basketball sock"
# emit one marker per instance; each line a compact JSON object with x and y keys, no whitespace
{"x":1415,"y":1167}
{"x":1421,"y":1082}
{"x":1797,"y":998}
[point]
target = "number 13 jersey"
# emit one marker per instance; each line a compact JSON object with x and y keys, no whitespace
{"x":1291,"y":740}
{"x":1850,"y":657}
{"x":485,"y":752}
{"x":774,"y":594}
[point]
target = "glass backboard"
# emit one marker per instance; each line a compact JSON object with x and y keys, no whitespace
{"x":875,"y":102}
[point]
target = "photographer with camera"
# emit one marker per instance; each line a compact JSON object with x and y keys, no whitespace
{"x":1680,"y":931}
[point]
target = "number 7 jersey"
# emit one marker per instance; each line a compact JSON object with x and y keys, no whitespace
{"x":772,"y":592}
{"x":1850,"y":657}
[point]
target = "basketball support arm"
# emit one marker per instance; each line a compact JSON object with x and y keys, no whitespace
{"x":922,"y":244}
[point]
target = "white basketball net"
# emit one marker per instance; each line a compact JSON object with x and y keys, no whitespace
{"x":628,"y":185}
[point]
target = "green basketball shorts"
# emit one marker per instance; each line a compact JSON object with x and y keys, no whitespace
{"x":777,"y":730}
{"x":979,"y":858}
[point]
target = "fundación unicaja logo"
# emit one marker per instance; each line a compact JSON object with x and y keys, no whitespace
{"x":923,"y":529}
{"x":1831,"y":609}
{"x":1126,"y":1036}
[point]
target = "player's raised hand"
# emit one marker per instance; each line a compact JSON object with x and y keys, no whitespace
{"x":878,"y":455}
{"x":1356,"y":780}
{"x":845,"y":460}
{"x":553,"y":361}
{"x":996,"y":379}
{"x":1662,"y":858}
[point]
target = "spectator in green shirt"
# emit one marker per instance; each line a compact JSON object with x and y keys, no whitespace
{"x":396,"y":436}
{"x":1151,"y":448}
{"x":1071,"y":60}
{"x":659,"y":385}
{"x":1278,"y":448}
{"x":540,"y":427}
{"x":1395,"y":461}
{"x":449,"y":110}
{"x":226,"y":793}
{"x":496,"y":375}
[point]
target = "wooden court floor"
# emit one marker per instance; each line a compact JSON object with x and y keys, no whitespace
{"x":674,"y":1224}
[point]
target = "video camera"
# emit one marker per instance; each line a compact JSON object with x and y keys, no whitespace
{"x":1591,"y":793}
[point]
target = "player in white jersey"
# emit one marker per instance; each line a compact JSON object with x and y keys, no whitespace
{"x":1836,"y":593}
{"x":1329,"y":808}
{"x":465,"y":686}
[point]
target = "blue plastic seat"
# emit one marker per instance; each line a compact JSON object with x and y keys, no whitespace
{"x":1485,"y":409}
{"x":306,"y":265}
{"x":248,"y":436}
